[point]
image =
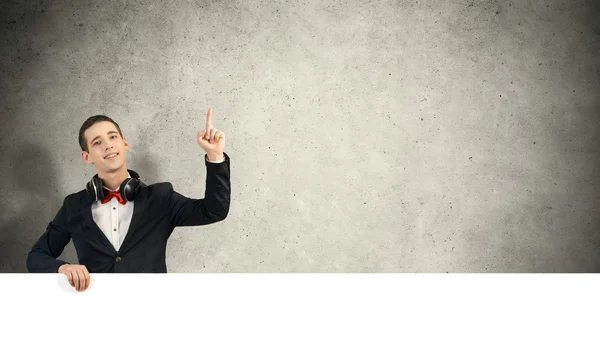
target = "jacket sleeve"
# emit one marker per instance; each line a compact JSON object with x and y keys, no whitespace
{"x":212,"y":208}
{"x":43,"y":254}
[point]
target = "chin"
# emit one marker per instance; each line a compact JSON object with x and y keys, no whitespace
{"x":114,"y":166}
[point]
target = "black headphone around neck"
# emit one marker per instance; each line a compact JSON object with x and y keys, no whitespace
{"x":128,"y":189}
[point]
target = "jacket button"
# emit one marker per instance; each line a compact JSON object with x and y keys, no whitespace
{"x":118,"y":259}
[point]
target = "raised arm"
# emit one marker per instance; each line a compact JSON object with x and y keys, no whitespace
{"x":214,"y":207}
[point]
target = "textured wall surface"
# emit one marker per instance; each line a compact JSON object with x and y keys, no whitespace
{"x":381,"y":136}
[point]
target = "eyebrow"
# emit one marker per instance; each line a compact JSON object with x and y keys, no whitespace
{"x":108,"y":133}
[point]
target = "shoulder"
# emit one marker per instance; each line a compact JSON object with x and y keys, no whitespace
{"x":77,"y":199}
{"x":159,"y":189}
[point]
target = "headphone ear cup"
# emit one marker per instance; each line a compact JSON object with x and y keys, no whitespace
{"x":129,"y":188}
{"x":88,"y":188}
{"x":95,"y":188}
{"x":99,"y":187}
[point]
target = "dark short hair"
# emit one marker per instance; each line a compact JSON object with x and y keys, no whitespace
{"x":88,"y":123}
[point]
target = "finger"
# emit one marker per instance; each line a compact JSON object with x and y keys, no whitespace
{"x":76,"y":279}
{"x":201,"y":134}
{"x":87,"y":279}
{"x":208,"y":120}
{"x":212,"y":135}
{"x":70,"y":277}
{"x":206,"y":136}
{"x":81,"y":279}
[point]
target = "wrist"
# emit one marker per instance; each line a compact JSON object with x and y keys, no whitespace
{"x":215,"y":156}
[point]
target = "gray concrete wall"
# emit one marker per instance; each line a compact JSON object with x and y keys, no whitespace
{"x":382,"y":136}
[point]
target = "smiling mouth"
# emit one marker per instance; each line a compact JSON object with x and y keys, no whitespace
{"x":112,"y":157}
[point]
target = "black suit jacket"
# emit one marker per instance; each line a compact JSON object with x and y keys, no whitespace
{"x":157,"y":210}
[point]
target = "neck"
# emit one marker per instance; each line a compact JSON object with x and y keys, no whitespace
{"x":113,"y":180}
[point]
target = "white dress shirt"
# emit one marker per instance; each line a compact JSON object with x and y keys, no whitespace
{"x":114,"y":218}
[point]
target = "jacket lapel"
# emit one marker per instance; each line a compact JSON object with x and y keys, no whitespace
{"x":139,"y":208}
{"x":95,"y":231}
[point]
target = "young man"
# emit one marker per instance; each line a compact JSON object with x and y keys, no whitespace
{"x":119,"y":224}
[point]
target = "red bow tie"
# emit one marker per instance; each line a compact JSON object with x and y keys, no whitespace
{"x":109,"y":194}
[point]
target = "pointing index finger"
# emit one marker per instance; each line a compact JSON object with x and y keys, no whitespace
{"x":208,"y":120}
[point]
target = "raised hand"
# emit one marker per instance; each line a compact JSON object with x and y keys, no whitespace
{"x":211,"y":139}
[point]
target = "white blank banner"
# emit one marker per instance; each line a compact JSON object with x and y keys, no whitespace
{"x":301,"y":316}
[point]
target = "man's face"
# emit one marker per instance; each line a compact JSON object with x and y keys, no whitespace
{"x":103,"y":139}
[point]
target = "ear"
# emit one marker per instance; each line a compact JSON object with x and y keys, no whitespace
{"x":86,"y":157}
{"x":126,"y":143}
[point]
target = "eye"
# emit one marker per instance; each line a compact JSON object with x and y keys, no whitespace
{"x":98,"y":142}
